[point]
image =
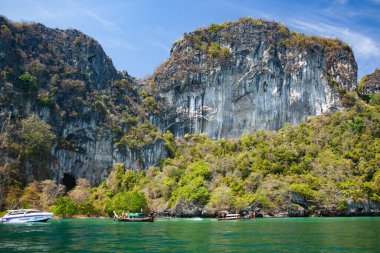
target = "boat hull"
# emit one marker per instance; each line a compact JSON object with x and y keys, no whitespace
{"x":237,"y":218}
{"x":240,"y":218}
{"x":145,"y":219}
{"x":26,"y":219}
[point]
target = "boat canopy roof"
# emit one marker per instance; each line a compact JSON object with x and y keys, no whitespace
{"x":134,"y":214}
{"x":23,"y":210}
{"x":233,"y":215}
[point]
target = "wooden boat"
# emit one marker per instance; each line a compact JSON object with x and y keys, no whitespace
{"x":224,"y":215}
{"x":135,"y":217}
{"x":228,"y":216}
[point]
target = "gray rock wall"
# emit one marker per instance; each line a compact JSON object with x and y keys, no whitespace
{"x":93,"y":153}
{"x":74,"y":72}
{"x":227,"y":104}
{"x":264,"y":83}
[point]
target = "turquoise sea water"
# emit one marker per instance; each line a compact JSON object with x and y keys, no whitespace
{"x":361,"y":234}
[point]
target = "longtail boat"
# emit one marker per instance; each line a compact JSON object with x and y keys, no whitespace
{"x":224,"y":215}
{"x":134,"y":217}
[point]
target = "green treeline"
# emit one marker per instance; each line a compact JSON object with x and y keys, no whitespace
{"x":329,"y":160}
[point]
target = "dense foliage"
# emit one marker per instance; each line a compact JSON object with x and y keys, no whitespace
{"x":329,"y":161}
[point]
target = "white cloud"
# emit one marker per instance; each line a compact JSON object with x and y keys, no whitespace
{"x":363,"y":45}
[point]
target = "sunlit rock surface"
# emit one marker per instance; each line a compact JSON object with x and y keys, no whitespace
{"x":265,"y":77}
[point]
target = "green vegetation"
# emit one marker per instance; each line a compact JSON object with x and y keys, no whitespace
{"x":121,"y":192}
{"x":253,"y":20}
{"x":65,"y":207}
{"x":100,"y":107}
{"x":203,"y":39}
{"x":374,"y":98}
{"x":4,"y":27}
{"x":328,"y":160}
{"x":35,"y":136}
{"x":192,"y":185}
{"x":318,"y":159}
{"x":45,"y":99}
{"x":28,"y":142}
{"x":28,"y":82}
{"x":129,"y":201}
{"x":369,"y":88}
{"x":301,"y":40}
{"x":215,"y":50}
{"x":139,"y":135}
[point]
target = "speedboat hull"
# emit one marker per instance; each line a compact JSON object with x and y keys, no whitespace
{"x":25,"y":218}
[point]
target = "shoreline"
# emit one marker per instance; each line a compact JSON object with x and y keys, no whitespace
{"x":258,"y":216}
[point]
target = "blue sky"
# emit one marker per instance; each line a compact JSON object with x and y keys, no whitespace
{"x":138,"y":34}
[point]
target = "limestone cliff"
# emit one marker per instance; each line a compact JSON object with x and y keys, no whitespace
{"x":224,"y":80}
{"x":242,"y":76}
{"x":65,"y":78}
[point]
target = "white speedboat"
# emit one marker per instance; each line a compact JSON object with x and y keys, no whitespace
{"x":26,"y":215}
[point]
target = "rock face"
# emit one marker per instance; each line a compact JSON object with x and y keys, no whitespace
{"x":296,"y":206}
{"x":299,"y":207}
{"x":236,"y":77}
{"x":96,"y":152}
{"x":186,"y":209}
{"x":370,"y":84}
{"x":65,"y":78}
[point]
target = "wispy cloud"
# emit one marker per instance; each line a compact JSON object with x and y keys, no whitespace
{"x":70,"y":9}
{"x":362,"y":44}
{"x":95,"y":16}
{"x":158,"y":37}
{"x":116,"y":43}
{"x":160,"y":45}
{"x":42,"y":10}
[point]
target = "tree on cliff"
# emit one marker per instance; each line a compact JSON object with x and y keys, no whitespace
{"x":35,"y":136}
